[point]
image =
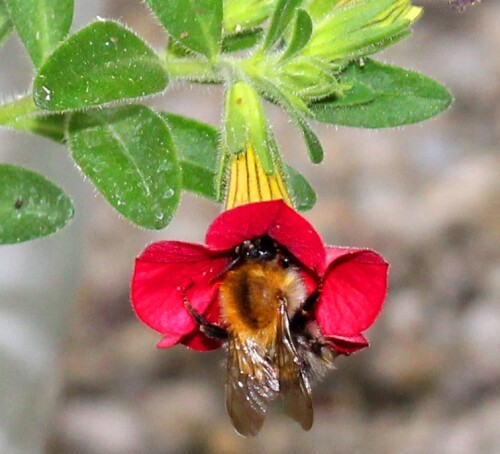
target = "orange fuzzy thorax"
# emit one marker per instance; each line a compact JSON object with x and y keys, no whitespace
{"x":250,"y":297}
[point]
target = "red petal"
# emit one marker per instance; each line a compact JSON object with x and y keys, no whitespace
{"x":169,"y":341}
{"x":274,"y":218}
{"x":348,"y":345}
{"x":353,"y":291}
{"x":199,"y":342}
{"x":309,"y":279}
{"x":164,"y":273}
{"x":195,"y":340}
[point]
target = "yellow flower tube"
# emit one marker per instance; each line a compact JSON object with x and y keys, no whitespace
{"x":248,"y":182}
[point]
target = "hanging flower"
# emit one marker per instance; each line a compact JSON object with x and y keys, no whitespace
{"x":266,"y":286}
{"x":351,"y":282}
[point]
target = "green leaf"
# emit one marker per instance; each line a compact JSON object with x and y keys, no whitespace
{"x":129,"y":155}
{"x":241,"y":41}
{"x":283,"y":13}
{"x":302,"y":30}
{"x":5,"y":22}
{"x":197,"y":145}
{"x":101,"y":63}
{"x":41,"y":24}
{"x":400,"y":97}
{"x":313,"y":144}
{"x":196,"y":24}
{"x":304,"y":197}
{"x":30,"y":205}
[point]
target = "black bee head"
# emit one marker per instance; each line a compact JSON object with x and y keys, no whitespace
{"x":259,"y":249}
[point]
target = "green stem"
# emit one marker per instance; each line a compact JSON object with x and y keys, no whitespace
{"x":20,"y":107}
{"x":192,"y":69}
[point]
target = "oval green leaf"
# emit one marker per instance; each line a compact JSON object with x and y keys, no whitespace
{"x":313,"y":144}
{"x":129,"y":155}
{"x":197,"y":145}
{"x":303,"y":195}
{"x":301,"y":33}
{"x":41,"y":24}
{"x":196,"y":24}
{"x":30,"y":206}
{"x":399,"y":97}
{"x":283,"y":13}
{"x":241,"y":41}
{"x":101,"y":63}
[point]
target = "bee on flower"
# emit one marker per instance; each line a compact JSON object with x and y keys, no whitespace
{"x":266,"y":288}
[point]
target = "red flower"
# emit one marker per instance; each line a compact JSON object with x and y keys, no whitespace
{"x":351,"y":283}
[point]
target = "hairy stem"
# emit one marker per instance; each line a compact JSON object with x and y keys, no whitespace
{"x":19,"y":107}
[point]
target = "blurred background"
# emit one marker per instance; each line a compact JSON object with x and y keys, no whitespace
{"x":80,"y":375}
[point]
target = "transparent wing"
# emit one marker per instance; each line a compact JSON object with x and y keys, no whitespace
{"x":294,"y":385}
{"x":251,"y":383}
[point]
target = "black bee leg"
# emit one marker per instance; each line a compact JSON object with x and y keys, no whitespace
{"x":303,"y":314}
{"x":227,"y":268}
{"x":208,"y":329}
{"x":311,"y":300}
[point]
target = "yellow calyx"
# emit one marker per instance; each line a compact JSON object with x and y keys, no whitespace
{"x":248,"y":182}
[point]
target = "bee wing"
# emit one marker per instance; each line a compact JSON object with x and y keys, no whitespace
{"x":294,"y":385}
{"x":251,"y":383}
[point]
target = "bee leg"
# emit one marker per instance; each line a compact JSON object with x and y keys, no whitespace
{"x":208,"y":329}
{"x":303,"y":314}
{"x":311,"y":299}
{"x":227,"y":268}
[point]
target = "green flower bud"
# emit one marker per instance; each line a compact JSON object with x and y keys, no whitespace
{"x":308,"y":78}
{"x":356,"y":28}
{"x":318,"y":9}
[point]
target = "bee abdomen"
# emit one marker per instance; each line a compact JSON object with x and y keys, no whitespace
{"x":317,"y":356}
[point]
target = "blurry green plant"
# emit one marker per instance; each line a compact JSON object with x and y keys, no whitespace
{"x":309,"y":57}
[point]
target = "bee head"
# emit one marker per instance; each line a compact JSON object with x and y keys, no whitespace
{"x":259,"y":249}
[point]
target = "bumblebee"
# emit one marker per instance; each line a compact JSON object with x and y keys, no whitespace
{"x":274,"y":348}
